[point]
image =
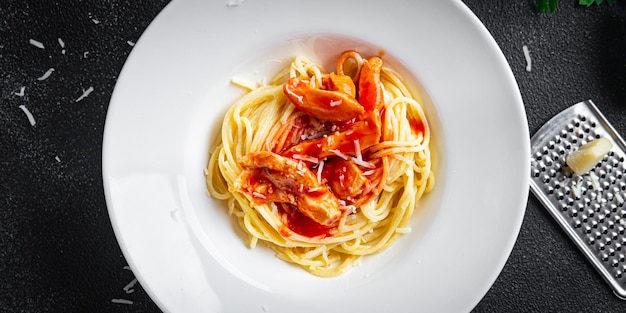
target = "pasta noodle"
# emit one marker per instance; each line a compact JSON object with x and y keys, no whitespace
{"x":291,"y":195}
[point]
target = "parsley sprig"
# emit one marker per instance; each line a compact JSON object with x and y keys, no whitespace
{"x":545,"y":6}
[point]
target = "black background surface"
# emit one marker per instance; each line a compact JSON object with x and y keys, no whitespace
{"x":58,"y":252}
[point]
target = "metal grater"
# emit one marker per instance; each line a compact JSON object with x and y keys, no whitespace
{"x":591,"y":208}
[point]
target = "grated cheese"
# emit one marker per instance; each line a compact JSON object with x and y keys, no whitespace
{"x":85,"y":94}
{"x":527,"y":57}
{"x":241,"y":82}
{"x":57,"y":158}
{"x":130,"y":43}
{"x":121,"y":301}
{"x":46,"y":74}
{"x":36,"y":43}
{"x":403,"y":230}
{"x":320,"y":168}
{"x":259,"y":195}
{"x":21,"y":92}
{"x":594,"y":181}
{"x":305,"y":158}
{"x":334,"y":103}
{"x":29,"y":115}
{"x":359,"y":157}
{"x":129,"y":286}
{"x":61,"y":43}
{"x":576,"y":189}
{"x":339,"y":154}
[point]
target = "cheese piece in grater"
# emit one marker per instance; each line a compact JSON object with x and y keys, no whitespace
{"x":588,"y":202}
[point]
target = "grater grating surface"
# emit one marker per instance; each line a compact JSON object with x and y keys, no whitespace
{"x":590,"y":208}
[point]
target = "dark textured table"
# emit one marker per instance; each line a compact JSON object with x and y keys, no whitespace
{"x":59,"y":61}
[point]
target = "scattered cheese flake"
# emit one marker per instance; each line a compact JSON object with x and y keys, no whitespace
{"x":594,"y":181}
{"x":357,"y":150}
{"x":130,"y":43}
{"x":339,"y":154}
{"x":57,"y":158}
{"x":126,"y":267}
{"x":61,"y":43}
{"x":527,"y":57}
{"x":234,"y":3}
{"x":21,"y":92}
{"x":85,"y":94}
{"x":95,"y":21}
{"x":129,"y":286}
{"x":358,"y":160}
{"x":121,"y":301}
{"x":305,"y":157}
{"x":576,"y":189}
{"x":46,"y":74}
{"x":258,"y":195}
{"x":403,"y":230}
{"x":36,"y":43}
{"x":30,"y":117}
{"x":241,"y":82}
{"x":85,"y":54}
{"x":320,"y":168}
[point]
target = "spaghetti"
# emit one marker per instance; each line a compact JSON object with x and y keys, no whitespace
{"x":324,"y":168}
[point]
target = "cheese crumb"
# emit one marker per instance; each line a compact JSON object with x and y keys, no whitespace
{"x":29,"y":115}
{"x":36,"y":43}
{"x":21,"y":92}
{"x":121,"y":301}
{"x":46,"y":74}
{"x":85,"y":94}
{"x":527,"y":57}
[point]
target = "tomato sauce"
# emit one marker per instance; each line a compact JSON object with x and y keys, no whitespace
{"x":417,"y":125}
{"x":301,"y":224}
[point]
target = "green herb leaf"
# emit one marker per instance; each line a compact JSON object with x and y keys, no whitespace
{"x":542,"y":6}
{"x":546,"y":6}
{"x":553,"y":5}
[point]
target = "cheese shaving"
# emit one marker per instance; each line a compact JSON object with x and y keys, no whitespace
{"x":46,"y":74}
{"x":130,"y":43}
{"x":61,"y":43}
{"x":129,"y":286}
{"x":36,"y":43}
{"x":85,"y":94}
{"x":241,"y":82}
{"x":527,"y":57}
{"x":304,"y":157}
{"x":320,"y":168}
{"x":403,"y":230}
{"x":121,"y":301}
{"x":339,"y":154}
{"x":21,"y":92}
{"x":358,"y":160}
{"x":29,"y":115}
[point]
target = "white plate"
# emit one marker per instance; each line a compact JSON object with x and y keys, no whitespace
{"x":174,"y":89}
